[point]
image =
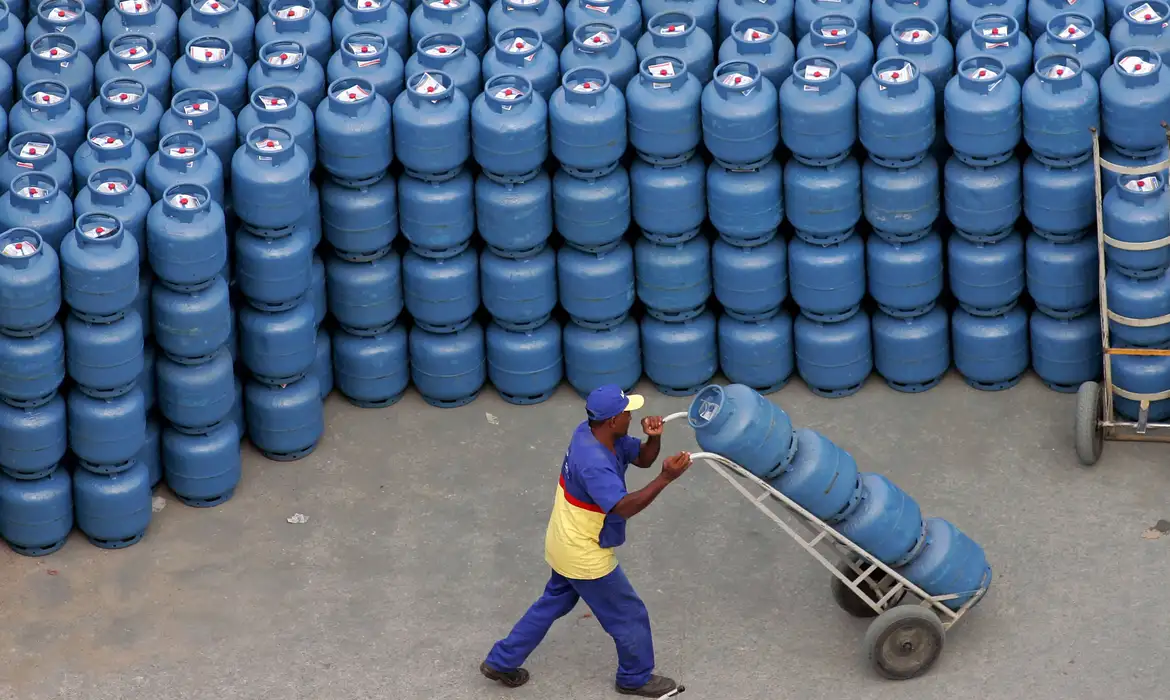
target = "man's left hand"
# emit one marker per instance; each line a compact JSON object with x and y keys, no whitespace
{"x":652,"y":426}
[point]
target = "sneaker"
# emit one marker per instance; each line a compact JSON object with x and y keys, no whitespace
{"x":512,"y":679}
{"x":656,"y":687}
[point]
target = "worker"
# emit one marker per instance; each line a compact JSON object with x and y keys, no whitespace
{"x":588,"y":521}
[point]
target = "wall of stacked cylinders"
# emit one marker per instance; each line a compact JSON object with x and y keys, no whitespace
{"x":202,"y":204}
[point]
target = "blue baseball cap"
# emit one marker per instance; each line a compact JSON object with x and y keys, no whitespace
{"x":608,"y":401}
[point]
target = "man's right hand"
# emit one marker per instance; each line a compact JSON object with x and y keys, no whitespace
{"x":675,"y":465}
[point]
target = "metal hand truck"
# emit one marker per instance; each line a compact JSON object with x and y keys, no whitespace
{"x":1096,"y":421}
{"x":903,"y":641}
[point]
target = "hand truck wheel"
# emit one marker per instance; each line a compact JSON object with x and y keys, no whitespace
{"x":904,"y":642}
{"x":1090,"y":436}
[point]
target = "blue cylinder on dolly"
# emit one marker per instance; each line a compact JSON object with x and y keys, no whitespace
{"x":1135,"y":214}
{"x":887,"y":522}
{"x":1138,"y":299}
{"x":950,"y":562}
{"x":735,"y":421}
{"x":1135,"y":90}
{"x":822,"y":477}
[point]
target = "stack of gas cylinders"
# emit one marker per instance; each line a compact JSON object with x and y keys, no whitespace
{"x":738,"y":423}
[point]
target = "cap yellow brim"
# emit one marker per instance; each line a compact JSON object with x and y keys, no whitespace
{"x":634,"y":402}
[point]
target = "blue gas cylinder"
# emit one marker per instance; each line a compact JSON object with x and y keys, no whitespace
{"x":982,"y":111}
{"x":30,"y":283}
{"x":624,"y":15}
{"x":1041,"y":12}
{"x":838,"y":38}
{"x":113,"y":511}
{"x":669,"y":201}
{"x":730,"y":12}
{"x":991,"y":352}
{"x":432,"y":127}
{"x":1134,"y":91}
{"x":278,"y":347}
{"x":48,"y":106}
{"x":1144,"y":298}
{"x":32,"y":440}
{"x":745,"y":206}
{"x":202,"y":470}
{"x":760,"y":40}
{"x":448,"y":368}
{"x":183,"y":156}
{"x":902,"y":202}
{"x":964,"y":12}
{"x":106,"y":434}
{"x":509,"y":130}
{"x":446,"y":52}
{"x":1074,"y":33}
{"x":675,"y":34}
{"x":919,"y":39}
{"x":36,"y":516}
{"x":887,"y":13}
{"x":750,"y":282}
{"x":983,"y":201}
{"x":464,"y":18}
{"x":735,"y":421}
{"x":739,"y":96}
{"x":438,"y":218}
{"x":1066,"y":352}
{"x":104,"y":359}
{"x":186,"y":237}
{"x":950,"y":563}
{"x":514,"y":218}
{"x":366,"y":55}
{"x":1141,"y":26}
{"x":986,"y":278}
{"x":998,"y":35}
{"x":99,"y":267}
{"x":153,"y":18}
{"x":68,"y":18}
{"x":212,"y":64}
{"x":145,"y":380}
{"x":31,"y":368}
{"x":285,"y":422}
{"x":127,"y":101}
{"x":673,"y":280}
{"x":270,"y":179}
{"x":57,"y":57}
{"x":1148,"y":160}
{"x":381,"y":17}
{"x":1059,"y":202}
{"x":1059,"y":109}
{"x":823,"y":203}
{"x":317,"y":294}
{"x":822,"y":477}
{"x":274,"y":273}
{"x":587,"y":123}
{"x":35,"y":202}
{"x":116,"y":192}
{"x":191,"y":324}
{"x":1134,"y":213}
{"x":680,"y":356}
{"x":364,"y":296}
{"x":895,"y":113}
{"x":151,"y":452}
{"x":285,"y":63}
{"x":757,"y":353}
{"x":1062,"y":276}
{"x":199,"y":110}
{"x":1141,"y":375}
{"x":359,"y":222}
{"x":545,"y":17}
{"x":442,"y":294}
{"x":300,"y":21}
{"x":109,"y":145}
{"x":808,"y":11}
{"x":818,"y":112}
{"x":521,"y":51}
{"x":596,"y":357}
{"x":704,"y":12}
{"x":525,"y":366}
{"x":827,"y":281}
{"x":663,"y":111}
{"x":12,"y":31}
{"x":519,"y":293}
{"x":136,"y":56}
{"x":194,"y":398}
{"x":372,"y":371}
{"x":834,"y":359}
{"x":912,"y":354}
{"x":599,"y":44}
{"x":592,"y":213}
{"x":277,"y":105}
{"x":226,"y":19}
{"x":353,"y":125}
{"x":596,"y":289}
{"x":887,"y":522}
{"x":37,"y":151}
{"x":905,"y":278}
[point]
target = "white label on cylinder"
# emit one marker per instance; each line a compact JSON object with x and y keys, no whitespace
{"x":134,"y":7}
{"x":113,"y":187}
{"x":107,"y":142}
{"x":755,"y":35}
{"x":284,"y":59}
{"x":355,"y":93}
{"x":196,"y":108}
{"x":898,"y":75}
{"x":429,"y":86}
{"x":1060,"y":70}
{"x":272,"y":102}
{"x":915,"y":36}
{"x":672,"y":29}
{"x":1136,"y":65}
{"x":523,"y":3}
{"x":360,"y":49}
{"x":1148,"y":183}
{"x":132,"y":51}
{"x":984,"y":74}
{"x":136,"y":66}
{"x":1072,"y":32}
{"x":817,"y":73}
{"x":32,"y":150}
{"x":661,"y":70}
{"x":587,"y":86}
{"x":125,"y":98}
{"x":32,"y":192}
{"x":213,"y":7}
{"x":598,"y":8}
{"x":97,"y":231}
{"x":181,"y":151}
{"x":735,"y":79}
{"x":46,"y":98}
{"x":441,"y":50}
{"x":20,"y":249}
{"x":508,"y":94}
{"x":708,"y":409}
{"x":268,"y":145}
{"x":599,"y":39}
{"x":62,"y":15}
{"x":184,"y":201}
{"x":207,"y":54}
{"x":55,"y":52}
{"x":293,"y":12}
{"x":1145,"y":14}
{"x":444,"y":4}
{"x":370,"y":4}
{"x":517,"y":45}
{"x":834,"y":32}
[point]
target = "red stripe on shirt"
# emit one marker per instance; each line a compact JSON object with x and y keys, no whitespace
{"x":578,"y":502}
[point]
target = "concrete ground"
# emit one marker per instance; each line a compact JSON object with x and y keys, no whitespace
{"x":424,"y":544}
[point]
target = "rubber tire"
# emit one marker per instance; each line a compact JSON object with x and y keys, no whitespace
{"x":849,"y":601}
{"x":902,"y":617}
{"x":1090,"y":438}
